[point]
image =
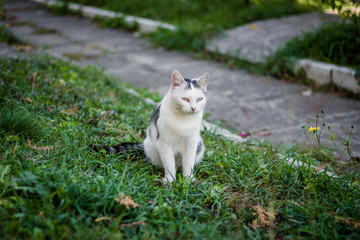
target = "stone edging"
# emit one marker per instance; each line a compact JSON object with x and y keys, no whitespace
{"x":145,"y":25}
{"x":326,"y":73}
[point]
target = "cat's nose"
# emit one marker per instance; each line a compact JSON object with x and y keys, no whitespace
{"x":193,"y":109}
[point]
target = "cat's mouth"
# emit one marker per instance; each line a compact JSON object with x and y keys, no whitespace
{"x":191,"y":111}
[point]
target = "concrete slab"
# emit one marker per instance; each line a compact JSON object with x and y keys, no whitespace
{"x":257,"y":40}
{"x":48,"y":39}
{"x":121,"y":42}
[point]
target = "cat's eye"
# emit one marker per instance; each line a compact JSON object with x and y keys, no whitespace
{"x":186,"y":99}
{"x":199,"y":99}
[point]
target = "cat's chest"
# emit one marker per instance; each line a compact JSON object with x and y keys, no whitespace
{"x":182,"y":127}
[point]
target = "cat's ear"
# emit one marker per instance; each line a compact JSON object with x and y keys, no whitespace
{"x":203,"y":80}
{"x":176,"y":79}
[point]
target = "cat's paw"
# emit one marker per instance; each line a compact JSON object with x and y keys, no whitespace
{"x":167,"y":180}
{"x":191,"y":178}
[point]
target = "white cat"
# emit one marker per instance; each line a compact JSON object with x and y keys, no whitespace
{"x":173,"y":135}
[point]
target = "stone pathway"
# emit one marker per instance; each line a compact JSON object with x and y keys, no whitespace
{"x":264,"y":106}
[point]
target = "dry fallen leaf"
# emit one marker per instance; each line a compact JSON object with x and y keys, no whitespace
{"x":126,"y":201}
{"x":349,"y":222}
{"x":263,"y":134}
{"x":32,"y":79}
{"x":264,"y":217}
{"x":72,"y":110}
{"x":93,"y":120}
{"x":25,"y":48}
{"x":48,"y":109}
{"x":41,"y":215}
{"x":138,"y":223}
{"x":35,"y":148}
{"x":99,"y":219}
{"x":28,"y":100}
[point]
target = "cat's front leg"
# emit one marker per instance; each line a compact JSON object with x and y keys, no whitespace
{"x":188,"y":161}
{"x":168,"y":161}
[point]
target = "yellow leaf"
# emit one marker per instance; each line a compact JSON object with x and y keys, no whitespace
{"x":253,"y":26}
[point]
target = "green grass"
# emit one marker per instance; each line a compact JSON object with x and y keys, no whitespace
{"x":117,"y":23}
{"x":65,"y":192}
{"x":335,"y":43}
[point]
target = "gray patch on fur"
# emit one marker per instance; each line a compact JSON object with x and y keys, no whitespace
{"x":191,"y":83}
{"x":199,"y":147}
{"x":154,"y":118}
{"x":178,"y":155}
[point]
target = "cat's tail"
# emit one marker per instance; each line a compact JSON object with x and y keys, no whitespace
{"x":123,"y":148}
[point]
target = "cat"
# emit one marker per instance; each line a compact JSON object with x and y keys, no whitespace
{"x":173,"y":135}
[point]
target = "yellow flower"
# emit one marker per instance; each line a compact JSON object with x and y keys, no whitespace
{"x":7,"y":25}
{"x":313,"y":129}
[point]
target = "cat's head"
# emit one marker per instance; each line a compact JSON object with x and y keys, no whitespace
{"x":189,"y":95}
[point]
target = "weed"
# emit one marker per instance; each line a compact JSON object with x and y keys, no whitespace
{"x":185,"y":37}
{"x":117,"y":23}
{"x":80,"y":56}
{"x":20,"y":122}
{"x":43,"y":30}
{"x":7,"y":37}
{"x":343,"y":147}
{"x":63,"y":9}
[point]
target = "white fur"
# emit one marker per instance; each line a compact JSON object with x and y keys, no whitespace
{"x":178,"y":127}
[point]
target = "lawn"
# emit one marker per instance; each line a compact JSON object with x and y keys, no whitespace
{"x":53,"y":186}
